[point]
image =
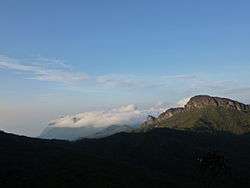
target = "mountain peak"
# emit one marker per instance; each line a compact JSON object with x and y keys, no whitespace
{"x":201,"y":101}
{"x":205,"y":112}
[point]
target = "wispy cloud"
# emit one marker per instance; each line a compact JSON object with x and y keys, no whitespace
{"x":56,"y":70}
{"x":123,"y":81}
{"x":42,"y":69}
{"x":139,"y":82}
{"x":180,"y":84}
{"x":181,"y":77}
{"x":242,"y":90}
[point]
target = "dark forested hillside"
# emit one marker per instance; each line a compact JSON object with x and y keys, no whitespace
{"x":161,"y":157}
{"x":28,"y":162}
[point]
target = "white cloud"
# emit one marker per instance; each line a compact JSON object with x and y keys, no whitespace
{"x":42,"y":69}
{"x":125,"y":115}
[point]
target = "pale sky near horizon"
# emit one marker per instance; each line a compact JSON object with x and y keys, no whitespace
{"x":64,"y":57}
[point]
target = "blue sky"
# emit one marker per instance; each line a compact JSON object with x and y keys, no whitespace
{"x":64,"y":57}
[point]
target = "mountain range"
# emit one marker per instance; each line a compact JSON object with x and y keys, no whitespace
{"x":204,"y":144}
{"x":201,"y":113}
{"x":75,"y":133}
{"x":204,"y":113}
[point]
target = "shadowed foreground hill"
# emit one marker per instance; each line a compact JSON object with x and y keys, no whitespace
{"x":161,"y":157}
{"x":28,"y":162}
{"x":173,"y":154}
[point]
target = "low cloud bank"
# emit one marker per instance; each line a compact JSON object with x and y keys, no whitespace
{"x":125,"y":115}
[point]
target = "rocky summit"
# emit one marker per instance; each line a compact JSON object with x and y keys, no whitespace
{"x":205,"y":112}
{"x":202,"y":101}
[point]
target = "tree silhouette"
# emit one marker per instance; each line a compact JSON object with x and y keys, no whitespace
{"x":212,"y":168}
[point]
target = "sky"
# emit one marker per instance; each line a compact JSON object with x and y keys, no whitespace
{"x":67,"y":57}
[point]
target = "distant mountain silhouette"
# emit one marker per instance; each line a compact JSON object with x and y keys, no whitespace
{"x":75,"y":133}
{"x":69,"y":133}
{"x":113,"y":129}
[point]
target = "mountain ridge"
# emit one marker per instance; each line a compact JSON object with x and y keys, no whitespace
{"x":207,"y":113}
{"x":200,"y":101}
{"x":110,"y":130}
